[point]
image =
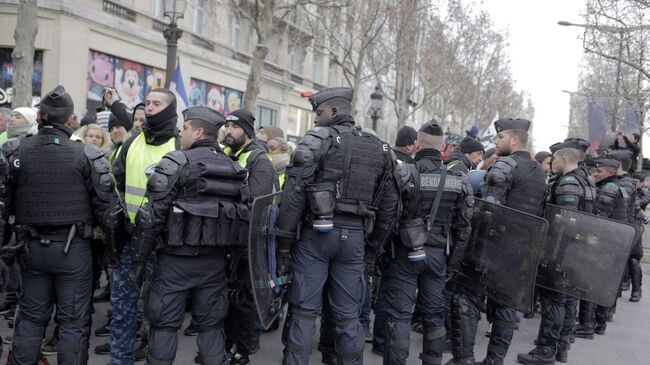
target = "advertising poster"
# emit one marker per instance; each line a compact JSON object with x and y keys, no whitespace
{"x":234,"y":99}
{"x":7,"y":76}
{"x":217,"y":97}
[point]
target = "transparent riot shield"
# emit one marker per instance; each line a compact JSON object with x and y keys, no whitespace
{"x":502,"y":254}
{"x":268,"y":288}
{"x":585,"y":255}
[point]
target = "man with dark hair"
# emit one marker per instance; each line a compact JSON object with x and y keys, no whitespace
{"x":516,"y":181}
{"x":406,"y":144}
{"x":139,"y":118}
{"x":185,"y":200}
{"x":466,"y":157}
{"x":136,"y":159}
{"x":431,"y":213}
{"x":242,"y":324}
{"x":572,"y":190}
{"x":119,"y":122}
{"x":54,"y":222}
{"x":629,"y":146}
{"x":341,"y":190}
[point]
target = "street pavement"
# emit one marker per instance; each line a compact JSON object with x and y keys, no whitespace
{"x":627,"y":340}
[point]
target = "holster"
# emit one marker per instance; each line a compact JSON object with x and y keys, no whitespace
{"x":321,"y":198}
{"x":413,"y":233}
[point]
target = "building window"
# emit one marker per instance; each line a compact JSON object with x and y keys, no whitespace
{"x":317,"y":67}
{"x":300,"y":121}
{"x":296,"y":59}
{"x":236,"y":32}
{"x":159,"y":9}
{"x":265,"y":116}
{"x":273,"y":45}
{"x":332,"y":74}
{"x":200,"y":17}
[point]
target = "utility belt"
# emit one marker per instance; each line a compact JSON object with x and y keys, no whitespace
{"x":49,"y":235}
{"x":328,"y":213}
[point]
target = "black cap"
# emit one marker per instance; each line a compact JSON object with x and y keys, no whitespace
{"x":329,"y":94}
{"x":541,"y":155}
{"x":244,"y":119}
{"x":469,"y":145}
{"x":582,"y":144}
{"x":56,"y":106}
{"x":406,"y":136}
{"x":608,"y":162}
{"x":432,"y":128}
{"x":566,"y":144}
{"x":509,"y":123}
{"x":87,"y":119}
{"x":208,"y":115}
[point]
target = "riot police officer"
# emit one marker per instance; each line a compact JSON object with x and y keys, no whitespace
{"x":197,"y":198}
{"x":571,"y":189}
{"x":515,"y":180}
{"x":345,"y":178}
{"x":436,"y":216}
{"x":611,"y":202}
{"x":57,"y":190}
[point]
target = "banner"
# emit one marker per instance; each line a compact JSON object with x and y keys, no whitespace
{"x":220,"y":98}
{"x":597,"y":119}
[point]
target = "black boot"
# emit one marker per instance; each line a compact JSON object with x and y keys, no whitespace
{"x":562,"y":353}
{"x":636,"y":274}
{"x":585,"y":330}
{"x":492,"y":359}
{"x":600,"y":328}
{"x":538,"y":356}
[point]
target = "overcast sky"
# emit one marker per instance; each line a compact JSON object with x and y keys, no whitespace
{"x":545,"y":58}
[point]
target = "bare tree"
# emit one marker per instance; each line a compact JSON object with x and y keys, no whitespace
{"x":23,"y":53}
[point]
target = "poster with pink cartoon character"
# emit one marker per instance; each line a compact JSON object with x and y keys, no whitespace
{"x":100,"y":75}
{"x":214,"y":99}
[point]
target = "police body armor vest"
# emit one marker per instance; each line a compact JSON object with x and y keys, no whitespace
{"x":51,"y":188}
{"x":354,"y":168}
{"x":628,"y":184}
{"x":588,"y":204}
{"x":210,"y":207}
{"x":528,"y":190}
{"x":427,"y":180}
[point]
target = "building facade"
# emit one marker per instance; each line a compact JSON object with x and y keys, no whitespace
{"x":87,"y":45}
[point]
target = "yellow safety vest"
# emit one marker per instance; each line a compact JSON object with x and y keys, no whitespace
{"x":242,"y":157}
{"x":140,"y":156}
{"x":281,"y":179}
{"x":114,"y":154}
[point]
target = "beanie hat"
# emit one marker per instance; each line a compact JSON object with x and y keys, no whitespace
{"x":245,"y":120}
{"x":406,"y":136}
{"x":469,"y":145}
{"x":56,"y":106}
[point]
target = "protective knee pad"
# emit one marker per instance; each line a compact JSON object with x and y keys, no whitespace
{"x":396,"y":345}
{"x":464,"y":322}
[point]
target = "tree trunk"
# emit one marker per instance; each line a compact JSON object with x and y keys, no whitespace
{"x":23,"y":53}
{"x":405,"y":56}
{"x":254,"y":81}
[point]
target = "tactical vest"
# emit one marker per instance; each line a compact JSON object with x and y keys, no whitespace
{"x":427,"y":180}
{"x":528,"y":190}
{"x":628,"y":184}
{"x":51,"y":189}
{"x":355,"y":168}
{"x":620,"y":210}
{"x":588,"y":203}
{"x":139,"y":157}
{"x":210,"y":208}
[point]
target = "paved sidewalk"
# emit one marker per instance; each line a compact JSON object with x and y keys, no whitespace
{"x":627,"y":340}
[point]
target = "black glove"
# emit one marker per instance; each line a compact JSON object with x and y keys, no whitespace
{"x":283,"y":258}
{"x":369,"y":260}
{"x":136,"y":274}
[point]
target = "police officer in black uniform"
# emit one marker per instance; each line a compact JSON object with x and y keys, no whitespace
{"x":436,"y":217}
{"x":572,"y":190}
{"x":345,"y":178}
{"x":57,"y":190}
{"x":196,"y":199}
{"x":517,"y":181}
{"x":611,"y":202}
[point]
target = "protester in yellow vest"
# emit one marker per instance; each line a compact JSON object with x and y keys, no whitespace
{"x":279,"y":152}
{"x":137,"y":157}
{"x":241,"y":326}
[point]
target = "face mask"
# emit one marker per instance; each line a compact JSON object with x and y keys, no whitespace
{"x":18,"y":130}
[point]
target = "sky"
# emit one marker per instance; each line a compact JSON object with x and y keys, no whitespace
{"x":545,"y":58}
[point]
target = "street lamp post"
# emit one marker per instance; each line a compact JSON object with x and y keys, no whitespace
{"x":376,"y":107}
{"x":174,"y":10}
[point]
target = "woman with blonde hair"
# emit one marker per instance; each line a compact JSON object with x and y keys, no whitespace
{"x":94,"y":134}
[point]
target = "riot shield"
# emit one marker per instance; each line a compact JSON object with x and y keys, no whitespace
{"x":268,"y":288}
{"x":502,"y":254}
{"x":584,"y":255}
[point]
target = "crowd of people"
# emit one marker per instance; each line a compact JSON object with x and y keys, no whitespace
{"x":163,"y":213}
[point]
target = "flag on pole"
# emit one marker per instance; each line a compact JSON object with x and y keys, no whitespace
{"x":178,"y":88}
{"x":489,"y":133}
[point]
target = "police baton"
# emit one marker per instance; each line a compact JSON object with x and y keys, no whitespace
{"x":71,"y":233}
